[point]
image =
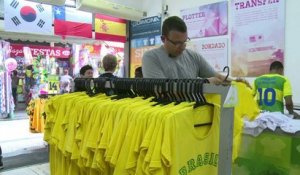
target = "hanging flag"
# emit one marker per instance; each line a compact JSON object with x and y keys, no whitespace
{"x":27,"y":17}
{"x":72,"y":22}
{"x":110,"y":28}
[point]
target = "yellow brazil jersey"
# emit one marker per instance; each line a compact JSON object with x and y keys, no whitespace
{"x":153,"y":135}
{"x":191,"y":150}
{"x":56,"y":137}
{"x":70,"y":123}
{"x":270,"y":89}
{"x":245,"y":108}
{"x":120,"y":130}
{"x":138,"y":136}
{"x":123,"y":155}
{"x":81,"y":124}
{"x":152,"y":123}
{"x":80,"y":130}
{"x":104,"y":136}
{"x":152,"y":163}
{"x":95,"y":135}
{"x":106,"y":131}
{"x":85,"y":151}
{"x":65,"y":113}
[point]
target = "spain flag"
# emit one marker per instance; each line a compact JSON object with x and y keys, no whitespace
{"x":110,"y":28}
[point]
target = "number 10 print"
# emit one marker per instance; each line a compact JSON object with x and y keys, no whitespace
{"x":263,"y":96}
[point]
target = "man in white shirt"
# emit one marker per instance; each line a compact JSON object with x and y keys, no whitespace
{"x":65,"y":82}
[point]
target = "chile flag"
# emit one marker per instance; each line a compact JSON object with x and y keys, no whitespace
{"x":72,"y":22}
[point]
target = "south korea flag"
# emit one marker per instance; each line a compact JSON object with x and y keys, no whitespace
{"x":27,"y":17}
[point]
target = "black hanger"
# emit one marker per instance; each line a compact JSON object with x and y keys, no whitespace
{"x":193,"y":90}
{"x":157,"y":89}
{"x":160,"y":91}
{"x":170,"y":91}
{"x":152,"y":85}
{"x":115,"y":87}
{"x":163,"y":90}
{"x":79,"y":84}
{"x":147,"y":88}
{"x":202,"y":101}
{"x":89,"y":86}
{"x":180,"y":90}
{"x":100,"y":85}
{"x":189,"y":90}
{"x":186,"y":90}
{"x":177,"y":91}
{"x":130,"y":88}
{"x":135,"y":87}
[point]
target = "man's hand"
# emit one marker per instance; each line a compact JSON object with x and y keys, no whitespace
{"x":296,"y":115}
{"x":215,"y":80}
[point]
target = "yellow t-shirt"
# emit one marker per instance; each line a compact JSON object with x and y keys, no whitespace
{"x":86,"y":152}
{"x":133,"y":124}
{"x":57,"y":135}
{"x":120,"y":129}
{"x":203,"y":142}
{"x":112,"y":116}
{"x":245,"y":108}
{"x":151,"y":139}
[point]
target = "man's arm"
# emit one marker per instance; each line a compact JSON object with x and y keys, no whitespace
{"x":151,"y":67}
{"x":220,"y":79}
{"x":289,"y":104}
{"x":287,"y":93}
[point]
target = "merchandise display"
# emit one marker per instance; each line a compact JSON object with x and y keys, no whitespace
{"x":156,"y":135}
{"x":21,"y":75}
{"x":6,"y":100}
{"x":149,"y":88}
{"x":36,"y":113}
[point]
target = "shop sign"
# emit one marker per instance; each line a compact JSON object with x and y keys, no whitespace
{"x":53,"y":84}
{"x":16,"y":50}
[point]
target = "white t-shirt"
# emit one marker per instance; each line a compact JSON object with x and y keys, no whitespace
{"x":66,"y":78}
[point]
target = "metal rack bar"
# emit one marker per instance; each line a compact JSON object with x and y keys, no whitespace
{"x":226,"y":129}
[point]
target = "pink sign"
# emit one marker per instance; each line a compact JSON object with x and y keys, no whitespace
{"x":257,"y":36}
{"x":16,"y":50}
{"x":215,"y":51}
{"x":207,"y":20}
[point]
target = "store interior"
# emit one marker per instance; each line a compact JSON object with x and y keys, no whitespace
{"x":32,"y":64}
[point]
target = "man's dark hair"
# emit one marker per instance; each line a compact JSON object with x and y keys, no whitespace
{"x":276,"y":65}
{"x":29,"y":67}
{"x":138,"y":73}
{"x":84,"y":69}
{"x":109,"y":62}
{"x":138,"y":69}
{"x":173,"y":23}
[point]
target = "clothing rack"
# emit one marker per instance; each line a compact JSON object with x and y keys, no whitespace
{"x":226,"y":129}
{"x":226,"y":114}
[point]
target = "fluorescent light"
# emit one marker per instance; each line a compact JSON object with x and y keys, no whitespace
{"x":110,"y":8}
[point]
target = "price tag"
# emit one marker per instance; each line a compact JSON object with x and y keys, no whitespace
{"x":53,"y":84}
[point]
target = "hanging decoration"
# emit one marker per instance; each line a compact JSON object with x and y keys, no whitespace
{"x":40,"y":75}
{"x":11,"y":64}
